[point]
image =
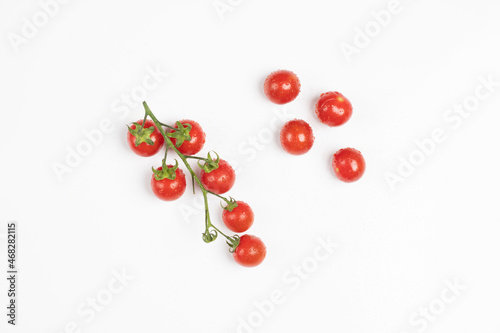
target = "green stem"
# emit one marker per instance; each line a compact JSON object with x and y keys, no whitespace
{"x":192,"y":182}
{"x":208,"y":223}
{"x":165,"y":157}
{"x":220,"y":196}
{"x":220,"y":232}
{"x":143,"y":123}
{"x":196,"y":157}
{"x":168,"y":126}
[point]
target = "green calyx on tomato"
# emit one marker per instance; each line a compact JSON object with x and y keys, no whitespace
{"x":231,"y":204}
{"x":165,"y":172}
{"x":210,"y":163}
{"x":142,"y":134}
{"x":233,"y":243}
{"x":181,"y":133}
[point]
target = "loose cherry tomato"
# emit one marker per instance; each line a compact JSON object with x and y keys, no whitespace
{"x":167,"y":189}
{"x":250,"y":252}
{"x":282,"y":86}
{"x":348,"y":165}
{"x":240,"y":219}
{"x":219,"y":180}
{"x":333,"y":109}
{"x":296,"y":137}
{"x":197,"y":141}
{"x":146,"y":149}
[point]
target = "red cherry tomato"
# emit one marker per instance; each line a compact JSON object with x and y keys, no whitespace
{"x":348,"y":165}
{"x":145,"y":149}
{"x":282,"y":86}
{"x":197,"y":141}
{"x":250,"y":252}
{"x":240,"y":219}
{"x":296,"y":137}
{"x":333,"y":109}
{"x":167,"y":189}
{"x":219,"y":180}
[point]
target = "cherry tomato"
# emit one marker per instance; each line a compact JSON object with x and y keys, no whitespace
{"x":240,"y":219}
{"x":145,"y":149}
{"x":250,"y":252}
{"x":348,"y":165}
{"x":333,"y":109}
{"x":167,"y":189}
{"x":197,"y":141}
{"x":282,"y":86}
{"x":296,"y":137}
{"x":219,"y":180}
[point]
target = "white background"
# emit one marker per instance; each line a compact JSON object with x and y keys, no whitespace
{"x":397,"y":246}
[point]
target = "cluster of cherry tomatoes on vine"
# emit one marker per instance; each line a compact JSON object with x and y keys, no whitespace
{"x":186,"y":138}
{"x":296,"y":136}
